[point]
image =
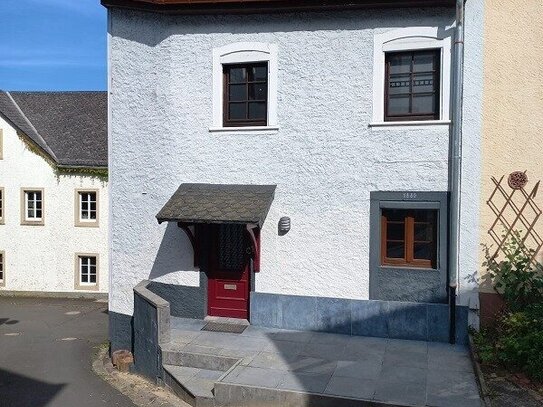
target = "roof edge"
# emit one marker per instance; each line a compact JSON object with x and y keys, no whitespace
{"x":39,"y":139}
{"x":264,"y":6}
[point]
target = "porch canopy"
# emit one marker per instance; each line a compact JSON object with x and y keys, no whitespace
{"x":218,"y":203}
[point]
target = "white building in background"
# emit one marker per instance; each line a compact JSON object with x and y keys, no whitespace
{"x":53,"y":192}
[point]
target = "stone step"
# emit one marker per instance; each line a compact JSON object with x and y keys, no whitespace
{"x":240,"y":395}
{"x":174,"y":357}
{"x":192,"y":385}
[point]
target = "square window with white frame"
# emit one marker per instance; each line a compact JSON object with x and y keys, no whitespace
{"x":87,"y":271}
{"x":32,"y":207}
{"x":86,"y":208}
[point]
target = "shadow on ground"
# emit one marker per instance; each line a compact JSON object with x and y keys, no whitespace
{"x":19,"y":390}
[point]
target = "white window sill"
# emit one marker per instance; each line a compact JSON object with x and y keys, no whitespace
{"x":246,"y":129}
{"x":415,"y":123}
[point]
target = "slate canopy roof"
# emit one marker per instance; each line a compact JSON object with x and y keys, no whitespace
{"x":218,"y":203}
{"x":70,"y":127}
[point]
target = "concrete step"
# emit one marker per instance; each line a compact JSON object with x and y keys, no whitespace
{"x":192,"y":385}
{"x":172,"y":356}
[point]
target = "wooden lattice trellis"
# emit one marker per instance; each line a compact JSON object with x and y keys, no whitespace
{"x":516,"y":212}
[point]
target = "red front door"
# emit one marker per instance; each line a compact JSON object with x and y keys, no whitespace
{"x":228,"y":275}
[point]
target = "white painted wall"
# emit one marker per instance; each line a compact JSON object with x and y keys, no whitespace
{"x":325,"y":159}
{"x":41,"y":258}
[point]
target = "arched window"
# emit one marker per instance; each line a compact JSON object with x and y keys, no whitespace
{"x":411,"y":76}
{"x":245,"y":87}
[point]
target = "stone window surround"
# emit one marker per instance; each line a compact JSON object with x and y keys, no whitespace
{"x":406,"y":200}
{"x":411,"y":39}
{"x":78,"y":222}
{"x":77,"y":281}
{"x":24,"y":221}
{"x":244,"y":52}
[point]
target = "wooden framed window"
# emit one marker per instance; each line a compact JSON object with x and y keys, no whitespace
{"x":86,"y":208}
{"x":86,"y":271}
{"x":2,"y":269}
{"x":245,"y":94}
{"x":32,"y":206}
{"x":409,"y":237}
{"x":412,"y":85}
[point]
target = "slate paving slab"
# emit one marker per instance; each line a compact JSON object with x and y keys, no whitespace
{"x":401,"y":372}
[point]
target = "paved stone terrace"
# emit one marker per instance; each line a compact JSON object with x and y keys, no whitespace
{"x":393,"y":371}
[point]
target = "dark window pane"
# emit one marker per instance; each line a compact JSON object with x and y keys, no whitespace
{"x":425,"y":215}
{"x":237,"y":93}
{"x":398,"y":105}
{"x":423,"y":103}
{"x":237,"y":111}
{"x":395,"y":231}
{"x":238,"y":74}
{"x":259,"y":73}
{"x":400,"y":63}
{"x":423,"y":61}
{"x":399,"y":84}
{"x":258,"y":91}
{"x":84,"y":277}
{"x":395,"y":214}
{"x":395,"y":250}
{"x":257,"y":110}
{"x":93,"y":206}
{"x":423,"y":231}
{"x":422,"y":251}
{"x":231,"y":247}
{"x":38,"y":213}
{"x":423,"y":83}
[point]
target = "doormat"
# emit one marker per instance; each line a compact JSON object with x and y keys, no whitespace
{"x":224,"y":327}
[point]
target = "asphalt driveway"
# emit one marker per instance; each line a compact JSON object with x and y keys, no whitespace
{"x":46,"y":348}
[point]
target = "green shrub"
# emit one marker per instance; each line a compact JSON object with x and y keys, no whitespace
{"x":516,"y":341}
{"x":516,"y":277}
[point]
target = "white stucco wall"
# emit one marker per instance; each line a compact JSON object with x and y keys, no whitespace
{"x":42,"y":258}
{"x":325,"y":159}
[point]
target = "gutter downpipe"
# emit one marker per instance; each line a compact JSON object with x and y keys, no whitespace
{"x":456,"y":166}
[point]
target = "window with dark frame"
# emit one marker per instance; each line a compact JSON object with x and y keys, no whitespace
{"x":33,"y":205}
{"x":87,"y":206}
{"x":87,"y":270}
{"x":409,"y":238}
{"x":412,"y":85}
{"x":2,"y":277}
{"x":245,"y":95}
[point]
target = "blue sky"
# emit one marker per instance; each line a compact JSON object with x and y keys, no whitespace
{"x":53,"y":45}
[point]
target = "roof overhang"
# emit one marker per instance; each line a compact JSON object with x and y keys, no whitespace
{"x":218,"y":203}
{"x":264,"y":6}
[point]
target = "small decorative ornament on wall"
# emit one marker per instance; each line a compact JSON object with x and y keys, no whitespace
{"x":517,"y":180}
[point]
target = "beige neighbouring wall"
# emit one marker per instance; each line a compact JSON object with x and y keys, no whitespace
{"x":512,"y":137}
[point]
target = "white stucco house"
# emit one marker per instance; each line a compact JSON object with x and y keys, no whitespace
{"x":53,"y":193}
{"x":288,"y":163}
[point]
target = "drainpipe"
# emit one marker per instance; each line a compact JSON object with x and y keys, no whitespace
{"x":456,"y":166}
